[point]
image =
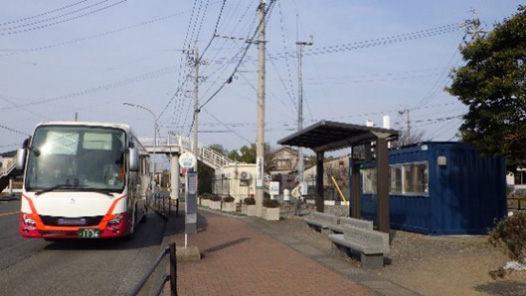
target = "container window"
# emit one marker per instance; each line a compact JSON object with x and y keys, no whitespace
{"x":407,"y":178}
{"x":395,"y":178}
{"x":369,"y":180}
{"x":415,"y":178}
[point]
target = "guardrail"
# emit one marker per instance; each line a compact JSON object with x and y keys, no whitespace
{"x":172,"y":277}
{"x":162,"y":204}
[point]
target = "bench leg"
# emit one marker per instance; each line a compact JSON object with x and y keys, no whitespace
{"x":372,"y":261}
{"x":325,"y":231}
{"x":340,"y":250}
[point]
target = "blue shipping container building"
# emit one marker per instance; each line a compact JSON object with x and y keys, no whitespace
{"x":439,"y":188}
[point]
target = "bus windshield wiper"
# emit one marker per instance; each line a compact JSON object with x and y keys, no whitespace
{"x":74,"y":188}
{"x":98,"y":190}
{"x":53,"y":188}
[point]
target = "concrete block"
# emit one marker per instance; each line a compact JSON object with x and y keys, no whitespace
{"x":190,"y":253}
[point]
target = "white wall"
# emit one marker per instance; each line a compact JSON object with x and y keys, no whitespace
{"x":228,"y":180}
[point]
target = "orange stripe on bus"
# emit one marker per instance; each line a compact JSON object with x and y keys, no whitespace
{"x":40,"y":225}
{"x":109,"y":216}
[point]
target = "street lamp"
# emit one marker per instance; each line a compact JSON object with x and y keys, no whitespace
{"x":154,"y":138}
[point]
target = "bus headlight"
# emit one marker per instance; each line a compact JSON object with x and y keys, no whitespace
{"x":28,"y":221}
{"x":117,"y":220}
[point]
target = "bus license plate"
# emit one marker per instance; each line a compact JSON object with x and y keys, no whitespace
{"x":89,"y":233}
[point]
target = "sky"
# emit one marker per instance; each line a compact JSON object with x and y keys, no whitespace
{"x":65,"y":59}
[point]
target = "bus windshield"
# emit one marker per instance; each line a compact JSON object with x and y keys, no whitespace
{"x":79,"y":158}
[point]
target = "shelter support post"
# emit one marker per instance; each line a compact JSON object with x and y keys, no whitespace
{"x":382,"y":183}
{"x":319,"y":182}
{"x":355,"y":189}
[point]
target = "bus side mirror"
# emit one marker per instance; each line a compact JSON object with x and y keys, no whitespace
{"x":20,"y":158}
{"x":134,"y":159}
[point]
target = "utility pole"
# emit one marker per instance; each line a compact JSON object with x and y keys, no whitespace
{"x":260,"y":141}
{"x":194,"y":61}
{"x":196,"y":106}
{"x":407,"y":112}
{"x":472,"y":27}
{"x":299,"y":53}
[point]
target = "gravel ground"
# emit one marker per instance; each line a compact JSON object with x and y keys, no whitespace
{"x":430,"y":265}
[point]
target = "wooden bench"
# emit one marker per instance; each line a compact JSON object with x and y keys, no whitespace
{"x":321,"y":221}
{"x":337,"y":228}
{"x":371,"y":245}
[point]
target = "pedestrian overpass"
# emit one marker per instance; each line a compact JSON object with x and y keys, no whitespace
{"x":176,"y":145}
{"x":173,"y":146}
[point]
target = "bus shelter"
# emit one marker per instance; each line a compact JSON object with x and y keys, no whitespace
{"x":326,"y":136}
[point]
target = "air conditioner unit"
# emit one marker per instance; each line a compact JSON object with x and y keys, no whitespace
{"x":244,"y":176}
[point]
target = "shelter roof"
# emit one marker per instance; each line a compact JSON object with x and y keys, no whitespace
{"x":329,"y":135}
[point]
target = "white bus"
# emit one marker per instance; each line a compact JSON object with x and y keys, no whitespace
{"x":82,"y":180}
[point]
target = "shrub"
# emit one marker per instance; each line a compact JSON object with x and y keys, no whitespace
{"x":228,"y":199}
{"x":509,"y":236}
{"x":270,"y":203}
{"x":215,"y":198}
{"x":249,"y":201}
{"x":205,"y":195}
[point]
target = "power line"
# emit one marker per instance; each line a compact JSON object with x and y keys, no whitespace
{"x":61,"y":21}
{"x":418,"y":122}
{"x":53,"y":18}
{"x":229,"y":80}
{"x":291,"y":93}
{"x":14,"y":130}
{"x":376,"y":42}
{"x":42,"y":14}
{"x":187,"y":76}
{"x":234,"y":132}
{"x":98,"y":35}
{"x":140,"y":78}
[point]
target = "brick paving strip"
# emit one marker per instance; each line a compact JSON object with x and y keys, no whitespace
{"x":242,"y":257}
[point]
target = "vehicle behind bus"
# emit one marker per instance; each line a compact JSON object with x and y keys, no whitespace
{"x":82,"y":180}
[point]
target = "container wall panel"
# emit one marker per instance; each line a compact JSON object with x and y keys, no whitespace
{"x":464,"y":195}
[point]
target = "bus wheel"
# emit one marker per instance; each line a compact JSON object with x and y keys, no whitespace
{"x":130,"y":235}
{"x":143,"y":219}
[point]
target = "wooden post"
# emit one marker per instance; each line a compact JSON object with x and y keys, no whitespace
{"x":382,"y":184}
{"x":319,"y":182}
{"x":356,"y":191}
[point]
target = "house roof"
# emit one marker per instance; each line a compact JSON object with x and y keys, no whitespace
{"x":288,"y":149}
{"x":329,"y":135}
{"x":8,"y":154}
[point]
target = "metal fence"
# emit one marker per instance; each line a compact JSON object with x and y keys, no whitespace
{"x":172,"y":276}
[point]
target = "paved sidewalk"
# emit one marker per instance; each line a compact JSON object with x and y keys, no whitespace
{"x":240,"y":256}
{"x":241,"y":260}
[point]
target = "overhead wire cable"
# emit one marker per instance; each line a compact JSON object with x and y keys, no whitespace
{"x":202,"y":19}
{"x":53,"y":18}
{"x":135,"y":79}
{"x":63,"y":21}
{"x":193,"y":63}
{"x":217,"y":24}
{"x":444,"y":76}
{"x":375,"y":42}
{"x":233,"y":131}
{"x":97,"y":35}
{"x":221,"y":68}
{"x":270,"y":5}
{"x":290,"y":92}
{"x":41,"y":14}
{"x":23,"y":108}
{"x":182,"y":72}
{"x":13,"y":130}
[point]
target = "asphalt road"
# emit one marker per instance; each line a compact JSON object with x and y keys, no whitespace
{"x":92,"y":267}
